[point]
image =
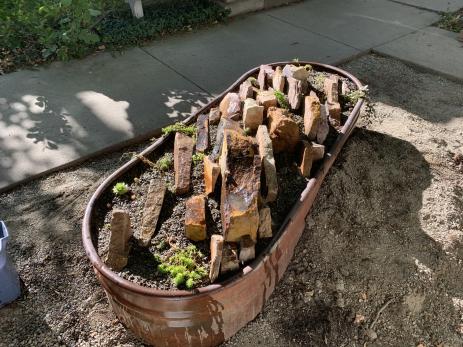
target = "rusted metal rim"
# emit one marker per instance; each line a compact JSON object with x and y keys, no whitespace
{"x":312,"y":184}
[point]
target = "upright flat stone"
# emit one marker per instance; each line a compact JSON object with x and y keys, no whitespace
{"x":334,"y":111}
{"x":268,"y":163}
{"x":216,"y":256}
{"x":230,"y":105}
{"x":214,"y":116}
{"x":246,"y":90}
{"x":229,"y":258}
{"x":195,"y":218}
{"x":311,"y":115}
{"x":265,"y":223}
{"x":183,"y":150}
{"x":151,"y":211}
{"x":211,"y":174}
{"x":225,"y":124}
{"x":318,"y":151}
{"x":253,"y":114}
{"x":278,"y":80}
{"x":307,"y":159}
{"x":247,"y":249}
{"x":202,"y":133}
{"x":283,"y":131}
{"x":119,"y":247}
{"x":331,"y":87}
{"x":323,"y":127}
{"x":296,"y":91}
{"x":267,"y":99}
{"x":241,"y":170}
{"x":265,"y":77}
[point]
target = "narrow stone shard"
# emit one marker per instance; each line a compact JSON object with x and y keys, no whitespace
{"x":247,"y":249}
{"x":119,"y":247}
{"x":268,"y":163}
{"x":216,"y":256}
{"x":318,"y":151}
{"x":246,"y":90}
{"x":267,"y":99}
{"x":211,"y":174}
{"x":265,"y":77}
{"x":230,"y":105}
{"x":334,"y":110}
{"x":283,"y":131}
{"x":151,"y":210}
{"x":225,"y":123}
{"x":265,"y":223}
{"x":253,"y":114}
{"x":214,"y":116}
{"x":323,"y":127}
{"x":331,"y":86}
{"x":195,"y":218}
{"x":307,"y":159}
{"x":311,"y":115}
{"x":202,"y":133}
{"x":241,"y":170}
{"x":278,"y":80}
{"x":296,"y":91}
{"x":229,"y":258}
{"x":183,"y":150}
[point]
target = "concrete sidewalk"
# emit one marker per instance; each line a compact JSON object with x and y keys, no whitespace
{"x":69,"y":111}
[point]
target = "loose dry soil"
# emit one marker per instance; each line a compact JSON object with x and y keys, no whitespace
{"x":380,"y":262}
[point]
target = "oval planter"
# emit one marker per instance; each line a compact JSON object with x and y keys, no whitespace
{"x":209,"y":315}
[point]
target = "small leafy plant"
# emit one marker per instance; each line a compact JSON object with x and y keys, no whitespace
{"x":180,"y":127}
{"x":281,"y":98}
{"x":182,"y":267}
{"x":120,"y":188}
{"x":165,"y":162}
{"x":357,"y":94}
{"x":197,"y":158}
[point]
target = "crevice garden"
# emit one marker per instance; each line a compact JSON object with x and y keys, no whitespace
{"x":214,"y":196}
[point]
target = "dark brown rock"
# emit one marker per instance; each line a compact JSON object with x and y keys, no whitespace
{"x":183,"y":150}
{"x":202,"y":133}
{"x":195,"y":218}
{"x":119,"y":247}
{"x":211,"y":174}
{"x":268,"y":162}
{"x":225,"y":123}
{"x":151,"y":210}
{"x":283,"y":131}
{"x":229,"y":258}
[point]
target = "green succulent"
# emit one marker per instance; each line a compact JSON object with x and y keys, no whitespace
{"x":120,"y":188}
{"x":180,"y":127}
{"x":281,"y":98}
{"x":165,"y":162}
{"x":197,"y":158}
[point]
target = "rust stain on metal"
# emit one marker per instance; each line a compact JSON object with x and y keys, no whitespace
{"x":209,"y":315}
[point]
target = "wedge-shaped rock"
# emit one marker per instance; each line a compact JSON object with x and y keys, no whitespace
{"x":278,"y":80}
{"x":211,"y":174}
{"x":202,"y":133}
{"x":214,"y":116}
{"x":298,"y":72}
{"x":265,"y":77}
{"x":119,"y":247}
{"x":253,"y":114}
{"x":265,"y":223}
{"x":331,"y":86}
{"x":323,"y":127}
{"x":267,"y":99}
{"x":247,"y":249}
{"x":195,"y":218}
{"x":307,"y":159}
{"x":318,"y":151}
{"x":151,"y":210}
{"x":183,"y":150}
{"x":334,"y":110}
{"x":283,"y":131}
{"x":216,"y":256}
{"x":230,"y":260}
{"x":268,"y":163}
{"x":225,"y":123}
{"x":296,"y":91}
{"x":311,"y":115}
{"x":246,"y":90}
{"x":230,"y":105}
{"x":241,"y":170}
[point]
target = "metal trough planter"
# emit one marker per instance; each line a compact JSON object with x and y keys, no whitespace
{"x":209,"y":315}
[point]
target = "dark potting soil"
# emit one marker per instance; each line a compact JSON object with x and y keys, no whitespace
{"x":142,"y":263}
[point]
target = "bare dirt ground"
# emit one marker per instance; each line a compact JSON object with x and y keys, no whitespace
{"x":380,"y":263}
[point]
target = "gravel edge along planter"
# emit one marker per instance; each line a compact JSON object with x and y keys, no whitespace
{"x":207,"y":316}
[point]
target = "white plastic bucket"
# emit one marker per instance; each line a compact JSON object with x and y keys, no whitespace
{"x":9,"y":279}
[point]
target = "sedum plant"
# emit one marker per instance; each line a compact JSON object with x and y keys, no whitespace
{"x":281,"y":98}
{"x":120,"y":188}
{"x":180,"y":127}
{"x":165,"y":162}
{"x":197,"y":158}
